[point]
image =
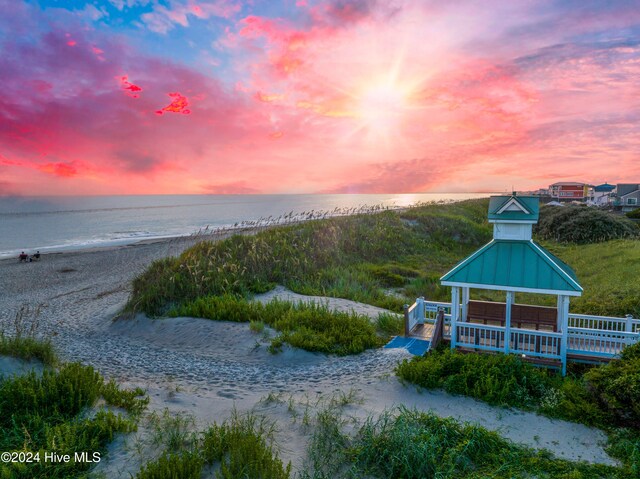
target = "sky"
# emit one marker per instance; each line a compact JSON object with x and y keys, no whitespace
{"x":316,"y":96}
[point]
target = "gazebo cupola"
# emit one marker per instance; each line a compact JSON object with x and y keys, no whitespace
{"x":513,"y":216}
{"x":511,"y":262}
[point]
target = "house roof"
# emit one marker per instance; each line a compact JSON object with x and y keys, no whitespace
{"x":568,"y":183}
{"x":626,"y":188}
{"x":514,"y":208}
{"x":509,"y":265}
{"x":604,"y":187}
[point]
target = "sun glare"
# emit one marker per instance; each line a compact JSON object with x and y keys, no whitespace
{"x":381,"y":107}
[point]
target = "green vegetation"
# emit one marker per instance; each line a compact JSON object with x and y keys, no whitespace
{"x":48,"y":413}
{"x":240,"y":448}
{"x":604,"y":396}
{"x":23,"y":343}
{"x":28,"y":348}
{"x":362,"y":257}
{"x":308,"y":326}
{"x":633,"y":214}
{"x":581,"y":224}
{"x":410,"y":444}
{"x":502,"y":380}
{"x":356,"y":257}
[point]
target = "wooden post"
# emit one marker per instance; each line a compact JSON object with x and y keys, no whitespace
{"x":565,"y":333}
{"x":629,"y":324}
{"x":454,"y":314}
{"x":507,"y":322}
{"x":407,"y":331}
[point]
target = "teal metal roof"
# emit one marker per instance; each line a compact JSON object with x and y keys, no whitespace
{"x":528,"y":203}
{"x":514,"y":265}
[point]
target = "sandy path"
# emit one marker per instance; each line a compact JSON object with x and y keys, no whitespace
{"x":207,"y":368}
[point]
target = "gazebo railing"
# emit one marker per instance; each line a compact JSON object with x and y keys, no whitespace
{"x":594,"y":342}
{"x":587,"y":335}
{"x":542,"y":344}
{"x":480,"y":336}
{"x":604,"y":323}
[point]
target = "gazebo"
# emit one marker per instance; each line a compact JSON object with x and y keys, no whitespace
{"x":512,"y":262}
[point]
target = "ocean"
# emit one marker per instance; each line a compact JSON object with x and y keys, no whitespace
{"x":51,"y":224}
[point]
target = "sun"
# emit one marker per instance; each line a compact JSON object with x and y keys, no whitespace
{"x":381,"y":107}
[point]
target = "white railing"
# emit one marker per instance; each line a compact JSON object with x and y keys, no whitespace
{"x":588,"y":335}
{"x":431,"y":309}
{"x":593,"y":342}
{"x":604,"y":323}
{"x":412,"y":313}
{"x":542,"y":344}
{"x":480,"y":336}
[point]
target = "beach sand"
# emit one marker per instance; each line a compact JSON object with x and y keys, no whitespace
{"x":208,"y":369}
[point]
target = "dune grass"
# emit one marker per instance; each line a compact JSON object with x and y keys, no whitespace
{"x":312,"y":327}
{"x":606,"y":396}
{"x":48,"y":412}
{"x":242,"y":447}
{"x":357,"y":257}
{"x":28,"y":348}
{"x":409,"y":444}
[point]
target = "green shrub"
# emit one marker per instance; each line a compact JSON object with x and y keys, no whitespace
{"x":616,"y":387}
{"x":46,"y":414}
{"x":580,"y":224}
{"x":498,"y":379}
{"x":634,"y":214}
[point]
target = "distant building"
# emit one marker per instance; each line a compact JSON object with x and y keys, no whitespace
{"x":602,"y":194}
{"x":628,"y":196}
{"x":569,"y":191}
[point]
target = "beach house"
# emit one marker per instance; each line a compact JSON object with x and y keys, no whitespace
{"x":569,"y":191}
{"x":601,"y":195}
{"x":628,"y":196}
{"x":513,"y":264}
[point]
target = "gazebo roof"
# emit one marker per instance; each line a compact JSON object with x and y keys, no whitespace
{"x":509,"y":265}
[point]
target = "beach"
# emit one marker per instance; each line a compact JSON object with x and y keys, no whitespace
{"x":208,"y":369}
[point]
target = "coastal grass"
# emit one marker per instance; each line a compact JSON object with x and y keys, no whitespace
{"x":409,"y":444}
{"x":239,"y":448}
{"x":23,"y":342}
{"x":309,"y":326}
{"x":358,"y":257}
{"x":49,"y":413}
{"x":606,"y":396}
{"x":28,"y":348}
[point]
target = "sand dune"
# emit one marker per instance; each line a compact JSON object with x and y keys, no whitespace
{"x":206,"y":368}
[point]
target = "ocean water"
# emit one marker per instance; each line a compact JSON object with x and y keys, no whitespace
{"x":53,"y":224}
